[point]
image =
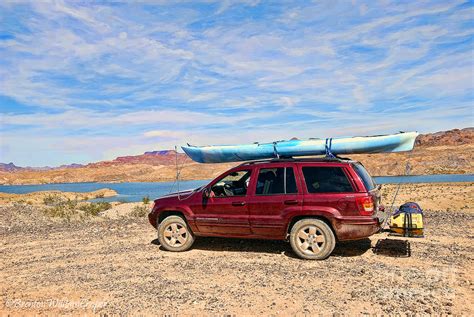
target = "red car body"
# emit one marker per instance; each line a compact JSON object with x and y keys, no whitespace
{"x":351,"y":214}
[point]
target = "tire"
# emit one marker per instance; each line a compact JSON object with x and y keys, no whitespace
{"x":312,"y":239}
{"x":174,"y":234}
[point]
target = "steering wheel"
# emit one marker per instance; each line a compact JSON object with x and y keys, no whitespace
{"x":228,"y":190}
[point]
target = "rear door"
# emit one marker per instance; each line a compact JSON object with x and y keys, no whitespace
{"x":328,"y":189}
{"x":275,"y":196}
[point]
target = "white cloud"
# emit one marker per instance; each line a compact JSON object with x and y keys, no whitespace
{"x":165,"y":134}
{"x":359,"y":95}
{"x":289,"y":101}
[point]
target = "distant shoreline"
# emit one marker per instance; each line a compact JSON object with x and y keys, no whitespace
{"x":136,"y":191}
{"x":106,"y":182}
{"x":465,"y":178}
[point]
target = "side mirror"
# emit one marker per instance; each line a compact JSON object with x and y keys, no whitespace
{"x":206,"y":193}
{"x":379,"y":186}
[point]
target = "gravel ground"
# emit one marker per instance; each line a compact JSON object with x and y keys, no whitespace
{"x":116,"y":266}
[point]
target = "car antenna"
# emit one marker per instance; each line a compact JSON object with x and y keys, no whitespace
{"x":178,"y":172}
{"x":177,"y":168}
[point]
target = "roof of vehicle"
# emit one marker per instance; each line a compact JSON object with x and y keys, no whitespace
{"x":303,"y":160}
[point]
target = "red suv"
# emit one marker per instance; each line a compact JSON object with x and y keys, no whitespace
{"x":311,"y":202}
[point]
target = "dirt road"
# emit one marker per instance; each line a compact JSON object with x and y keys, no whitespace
{"x":116,"y":266}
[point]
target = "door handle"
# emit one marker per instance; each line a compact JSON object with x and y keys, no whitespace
{"x":291,"y":202}
{"x":238,"y":203}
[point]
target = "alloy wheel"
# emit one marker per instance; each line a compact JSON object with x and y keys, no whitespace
{"x":310,"y":240}
{"x":175,"y":235}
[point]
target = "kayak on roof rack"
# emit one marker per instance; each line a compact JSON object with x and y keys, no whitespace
{"x":399,"y":142}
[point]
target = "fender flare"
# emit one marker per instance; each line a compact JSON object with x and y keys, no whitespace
{"x":185,"y":210}
{"x":329,"y":215}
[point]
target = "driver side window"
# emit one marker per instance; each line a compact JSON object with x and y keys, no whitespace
{"x":233,"y":184}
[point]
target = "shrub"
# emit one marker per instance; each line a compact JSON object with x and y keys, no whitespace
{"x":62,"y":208}
{"x":59,"y":211}
{"x":93,"y":209}
{"x":139,"y":211}
{"x":146,"y":200}
{"x":59,"y":207}
{"x":71,"y":204}
{"x":52,"y":199}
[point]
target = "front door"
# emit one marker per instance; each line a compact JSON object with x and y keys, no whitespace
{"x":275,"y":198}
{"x":224,"y":211}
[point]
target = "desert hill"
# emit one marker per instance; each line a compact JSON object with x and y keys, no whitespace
{"x":445,"y":152}
{"x":443,"y":138}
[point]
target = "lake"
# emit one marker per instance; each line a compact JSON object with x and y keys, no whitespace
{"x":132,"y":192}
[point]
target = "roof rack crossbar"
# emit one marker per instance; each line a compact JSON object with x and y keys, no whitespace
{"x":302,"y":159}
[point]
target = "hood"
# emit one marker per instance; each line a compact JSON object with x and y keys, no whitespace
{"x":182,"y":194}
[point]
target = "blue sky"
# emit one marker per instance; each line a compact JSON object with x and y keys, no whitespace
{"x":83,"y":81}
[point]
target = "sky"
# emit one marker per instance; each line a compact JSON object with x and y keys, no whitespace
{"x":84,"y":81}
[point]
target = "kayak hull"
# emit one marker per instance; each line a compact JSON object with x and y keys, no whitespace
{"x":399,"y":142}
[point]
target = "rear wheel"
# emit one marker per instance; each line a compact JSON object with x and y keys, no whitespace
{"x":174,"y":234}
{"x":312,"y":239}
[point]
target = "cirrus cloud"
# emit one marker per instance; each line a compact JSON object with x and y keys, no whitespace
{"x":160,"y":73}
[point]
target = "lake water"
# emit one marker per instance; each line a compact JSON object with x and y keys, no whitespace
{"x":132,"y":192}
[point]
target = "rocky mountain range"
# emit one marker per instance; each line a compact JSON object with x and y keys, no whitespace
{"x":10,"y":167}
{"x":445,"y":152}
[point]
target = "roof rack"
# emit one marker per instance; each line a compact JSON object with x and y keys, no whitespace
{"x":300,"y":159}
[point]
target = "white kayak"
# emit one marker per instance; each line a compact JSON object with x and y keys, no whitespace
{"x":398,"y":142}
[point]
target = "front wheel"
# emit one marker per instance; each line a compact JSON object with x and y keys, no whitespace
{"x":312,"y":239}
{"x":174,"y":234}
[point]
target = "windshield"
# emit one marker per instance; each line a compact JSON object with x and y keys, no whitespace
{"x":369,"y":183}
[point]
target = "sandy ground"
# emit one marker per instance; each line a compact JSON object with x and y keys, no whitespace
{"x":433,"y":196}
{"x":103,"y":265}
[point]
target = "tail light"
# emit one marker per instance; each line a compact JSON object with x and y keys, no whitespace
{"x":366,"y":205}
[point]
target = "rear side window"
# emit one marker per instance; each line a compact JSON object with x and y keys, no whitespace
{"x":273,"y":181}
{"x":364,"y":176}
{"x":326,"y":180}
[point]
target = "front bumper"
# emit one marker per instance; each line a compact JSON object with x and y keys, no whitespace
{"x":152,"y":219}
